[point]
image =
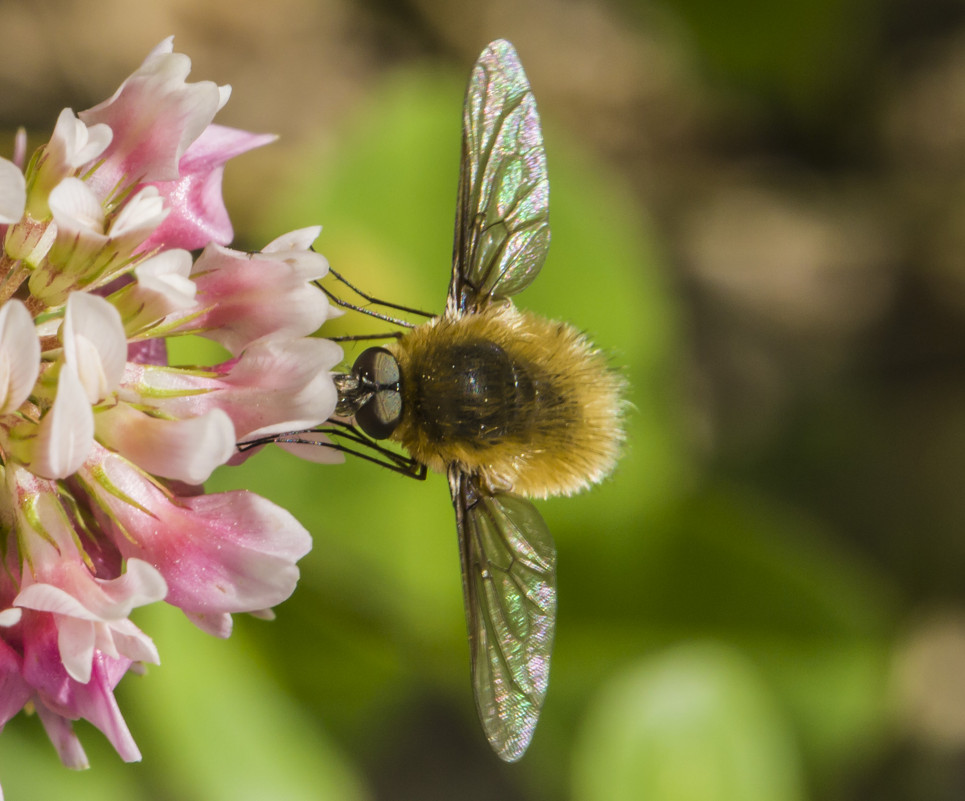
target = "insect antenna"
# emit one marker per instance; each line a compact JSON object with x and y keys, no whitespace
{"x":371,"y":299}
{"x":362,"y":310}
{"x":359,"y":337}
{"x":397,"y":462}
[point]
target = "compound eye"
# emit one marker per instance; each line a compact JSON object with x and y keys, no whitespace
{"x":378,"y":374}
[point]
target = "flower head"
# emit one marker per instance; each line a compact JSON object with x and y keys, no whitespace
{"x":103,"y":444}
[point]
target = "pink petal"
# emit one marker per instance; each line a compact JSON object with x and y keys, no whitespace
{"x":14,"y":691}
{"x":46,"y":536}
{"x":63,"y":698}
{"x":239,"y":556}
{"x":132,"y":643}
{"x":295,"y":250}
{"x":95,"y":702}
{"x":222,"y":553}
{"x":155,"y":115}
{"x":282,"y":386}
{"x":60,"y":731}
{"x":91,"y":613}
{"x":247,"y":297}
{"x":20,"y":147}
{"x":70,"y":589}
{"x":150,"y":351}
{"x":198,"y":214}
{"x":276,"y":386}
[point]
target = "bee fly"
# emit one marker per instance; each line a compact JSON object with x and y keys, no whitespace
{"x":508,"y":404}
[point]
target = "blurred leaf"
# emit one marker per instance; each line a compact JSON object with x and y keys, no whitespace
{"x":385,"y":193}
{"x":193,"y":350}
{"x":214,"y":710}
{"x":695,"y":723}
{"x":31,"y":768}
{"x":731,"y":557}
{"x":380,"y":592}
{"x":736,"y":566}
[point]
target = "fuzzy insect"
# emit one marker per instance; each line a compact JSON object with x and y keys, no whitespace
{"x":508,"y":404}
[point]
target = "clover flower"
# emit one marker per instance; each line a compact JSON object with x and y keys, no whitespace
{"x":103,"y":444}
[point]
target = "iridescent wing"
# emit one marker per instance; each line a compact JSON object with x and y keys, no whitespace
{"x":509,"y":582}
{"x":502,"y":210}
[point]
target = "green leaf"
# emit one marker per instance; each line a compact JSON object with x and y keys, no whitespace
{"x":695,"y":723}
{"x":215,"y":711}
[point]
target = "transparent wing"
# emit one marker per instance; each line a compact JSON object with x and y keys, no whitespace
{"x":502,"y":210}
{"x":509,"y":581}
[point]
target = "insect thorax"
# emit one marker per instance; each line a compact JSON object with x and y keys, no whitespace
{"x":504,"y":393}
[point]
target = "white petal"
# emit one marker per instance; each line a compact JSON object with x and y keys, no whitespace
{"x":104,"y":639}
{"x":76,"y":208}
{"x":11,"y":616}
{"x":166,"y":45}
{"x":140,"y":584}
{"x":48,"y":598}
{"x":186,"y":450}
{"x":65,"y":435}
{"x":94,"y":343}
{"x":306,"y":264}
{"x":301,"y":239}
{"x":13,"y":192}
{"x":217,"y":624}
{"x":99,"y":136}
{"x":75,"y":640}
{"x":141,"y":214}
{"x":133,"y":643}
{"x":167,"y":276}
{"x":224,"y":92}
{"x":19,"y":355}
{"x":75,"y":143}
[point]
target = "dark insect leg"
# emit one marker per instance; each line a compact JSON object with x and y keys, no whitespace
{"x":368,"y":449}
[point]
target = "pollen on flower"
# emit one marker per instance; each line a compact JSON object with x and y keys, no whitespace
{"x":103,"y":445}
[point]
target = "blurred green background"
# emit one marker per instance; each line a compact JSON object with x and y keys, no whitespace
{"x":759,"y":210}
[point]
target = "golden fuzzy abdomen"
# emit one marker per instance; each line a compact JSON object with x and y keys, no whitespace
{"x":475,"y":394}
{"x":505,"y":394}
